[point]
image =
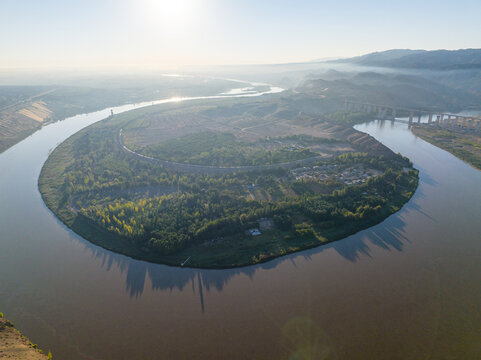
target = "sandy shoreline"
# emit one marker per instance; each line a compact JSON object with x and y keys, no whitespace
{"x":13,"y":345}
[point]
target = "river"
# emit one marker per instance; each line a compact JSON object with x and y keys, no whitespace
{"x":408,"y":288}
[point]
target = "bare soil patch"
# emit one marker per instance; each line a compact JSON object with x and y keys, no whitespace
{"x":14,"y":345}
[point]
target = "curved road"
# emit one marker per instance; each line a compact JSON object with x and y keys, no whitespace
{"x":210,"y":169}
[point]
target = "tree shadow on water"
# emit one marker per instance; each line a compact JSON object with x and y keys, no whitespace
{"x":388,"y":235}
{"x":162,"y":277}
{"x":424,"y":176}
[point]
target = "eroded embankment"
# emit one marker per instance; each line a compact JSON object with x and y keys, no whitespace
{"x":14,"y":345}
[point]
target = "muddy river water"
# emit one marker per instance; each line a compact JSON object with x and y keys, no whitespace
{"x":408,"y":288}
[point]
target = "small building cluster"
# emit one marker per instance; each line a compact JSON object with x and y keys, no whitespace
{"x":349,"y":176}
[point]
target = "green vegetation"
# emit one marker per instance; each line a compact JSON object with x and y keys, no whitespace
{"x":466,"y":146}
{"x":144,"y":210}
{"x":222,"y":149}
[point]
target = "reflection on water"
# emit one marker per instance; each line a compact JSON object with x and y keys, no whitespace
{"x":162,"y":277}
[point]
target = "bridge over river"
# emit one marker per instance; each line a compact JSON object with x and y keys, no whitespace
{"x":441,"y":119}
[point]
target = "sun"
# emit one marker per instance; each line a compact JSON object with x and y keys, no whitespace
{"x":176,"y":9}
{"x":171,"y":15}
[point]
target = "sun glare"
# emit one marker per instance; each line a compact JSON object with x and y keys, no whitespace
{"x":171,"y":15}
{"x":176,"y":9}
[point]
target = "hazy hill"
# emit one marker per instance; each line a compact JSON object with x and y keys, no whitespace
{"x":389,"y":89}
{"x":380,"y":57}
{"x":421,"y":59}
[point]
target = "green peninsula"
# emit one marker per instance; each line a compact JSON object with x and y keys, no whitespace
{"x":224,"y":183}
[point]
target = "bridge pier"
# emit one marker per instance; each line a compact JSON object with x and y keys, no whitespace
{"x":410,"y":118}
{"x":459,"y":122}
{"x":419,"y":118}
{"x":393,"y":114}
{"x":446,"y":122}
{"x":430,"y":120}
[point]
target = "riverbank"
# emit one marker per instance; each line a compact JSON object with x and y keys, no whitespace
{"x":15,"y":346}
{"x":465,"y":146}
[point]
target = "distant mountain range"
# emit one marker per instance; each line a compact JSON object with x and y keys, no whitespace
{"x":420,"y":59}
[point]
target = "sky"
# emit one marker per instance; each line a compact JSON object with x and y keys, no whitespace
{"x":170,"y":33}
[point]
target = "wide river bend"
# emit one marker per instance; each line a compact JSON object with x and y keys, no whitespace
{"x":408,"y":288}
